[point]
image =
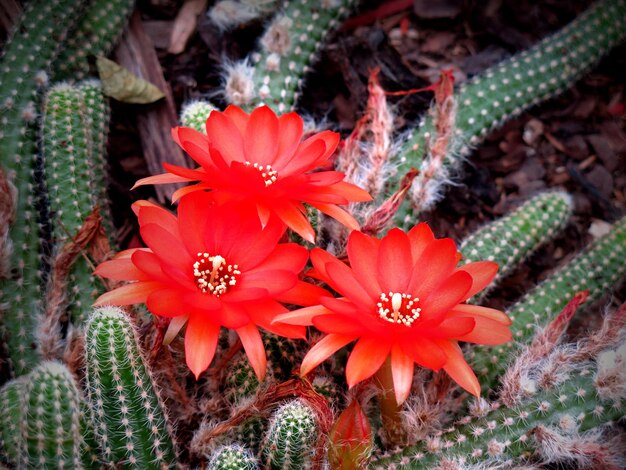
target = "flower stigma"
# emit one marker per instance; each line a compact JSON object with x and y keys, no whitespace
{"x":268,"y":174}
{"x":213,"y":275}
{"x":395,"y":307}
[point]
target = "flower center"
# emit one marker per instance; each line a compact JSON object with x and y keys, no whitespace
{"x":213,"y":275}
{"x":399,"y":308}
{"x":268,"y":174}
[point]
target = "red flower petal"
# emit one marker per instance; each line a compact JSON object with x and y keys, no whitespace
{"x":163,"y":178}
{"x":365,"y":359}
{"x":420,"y":237}
{"x":293,"y":215}
{"x":253,"y":345}
{"x":120,"y":270}
{"x":342,"y":306}
{"x":290,"y":128}
{"x":486,"y":331}
{"x":424,"y":351}
{"x":457,"y":368}
{"x":402,"y":372}
{"x":193,"y":217}
{"x":302,"y":316}
{"x":166,"y":303}
{"x":434,"y":266}
{"x":232,"y":315}
{"x":238,"y":116}
{"x":200,"y":343}
{"x":394,"y":264}
{"x":338,"y":324}
{"x":347,"y":285}
{"x":338,"y":214}
{"x":261,"y":138}
{"x":135,"y":293}
{"x":225,"y":137}
{"x":476,"y":310}
{"x":264,"y":312}
{"x":287,"y":256}
{"x":272,"y":281}
{"x":306,"y":156}
{"x":303,"y":294}
{"x":325,"y":348}
{"x":454,"y":327}
{"x":149,"y":213}
{"x":482,"y":273}
{"x":446,"y":296}
{"x":362,"y":253}
{"x":196,"y":144}
{"x":167,"y":247}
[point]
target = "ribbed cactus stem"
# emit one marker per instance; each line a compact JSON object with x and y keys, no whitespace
{"x":96,"y":33}
{"x":227,"y":14}
{"x":290,"y":438}
{"x":73,"y":134}
{"x":275,"y":73}
{"x":526,"y":79}
{"x":51,"y":431}
{"x":504,"y":434}
{"x":195,"y":113}
{"x":127,"y":412}
{"x":33,"y":44}
{"x":513,"y":238}
{"x":232,"y":457}
{"x":597,"y":268}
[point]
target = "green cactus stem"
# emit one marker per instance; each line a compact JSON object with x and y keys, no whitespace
{"x":27,"y":56}
{"x":597,"y":268}
{"x":509,"y":88}
{"x":96,"y":33}
{"x":232,"y":457}
{"x":73,"y":138}
{"x":125,"y":407}
{"x":513,"y":238}
{"x":290,"y":438}
{"x":195,"y":114}
{"x":227,"y":14}
{"x":11,"y":417}
{"x":274,"y":75}
{"x":504,"y":434}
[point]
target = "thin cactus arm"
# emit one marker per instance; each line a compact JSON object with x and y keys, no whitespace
{"x":597,"y":268}
{"x":126,"y":409}
{"x":232,"y":457}
{"x":96,"y":33}
{"x":513,"y":238}
{"x":509,"y":88}
{"x":274,"y":74}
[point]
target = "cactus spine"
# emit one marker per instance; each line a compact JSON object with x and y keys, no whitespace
{"x":125,"y":407}
{"x":96,"y":33}
{"x":288,"y":47}
{"x":23,"y":71}
{"x":526,"y":79}
{"x":513,"y":238}
{"x":10,"y":413}
{"x":233,"y":457}
{"x":290,"y":437}
{"x":597,"y":268}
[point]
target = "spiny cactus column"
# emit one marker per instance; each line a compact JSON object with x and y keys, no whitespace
{"x":597,"y":268}
{"x":95,"y":35}
{"x":290,"y":437}
{"x":33,"y":44}
{"x":513,"y":238}
{"x":127,"y":412}
{"x":509,"y":88}
{"x":288,"y":47}
{"x":233,"y":457}
{"x":505,"y":434}
{"x":11,"y":418}
{"x":73,"y":135}
{"x":44,"y":413}
{"x":195,"y":113}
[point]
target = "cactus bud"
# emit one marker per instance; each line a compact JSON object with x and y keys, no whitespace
{"x":350,"y":439}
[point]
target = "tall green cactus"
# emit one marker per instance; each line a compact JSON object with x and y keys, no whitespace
{"x":288,"y":46}
{"x":579,"y":401}
{"x":597,"y":268}
{"x":33,"y":44}
{"x":11,"y":417}
{"x":290,"y":437}
{"x":73,"y":136}
{"x":513,"y":238}
{"x":130,"y":422}
{"x":509,"y":88}
{"x":95,"y":35}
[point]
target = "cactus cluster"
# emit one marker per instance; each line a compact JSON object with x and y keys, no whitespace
{"x":551,"y":400}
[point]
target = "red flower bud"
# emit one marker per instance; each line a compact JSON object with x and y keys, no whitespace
{"x":350,"y":439}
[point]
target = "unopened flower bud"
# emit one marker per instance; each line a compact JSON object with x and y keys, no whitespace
{"x":350,"y":439}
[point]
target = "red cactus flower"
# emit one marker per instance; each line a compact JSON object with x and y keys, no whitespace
{"x":212,"y":267}
{"x":402,"y":297}
{"x":260,"y":158}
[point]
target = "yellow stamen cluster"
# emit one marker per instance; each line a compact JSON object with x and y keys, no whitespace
{"x":268,"y":174}
{"x":213,"y":275}
{"x":398,"y":308}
